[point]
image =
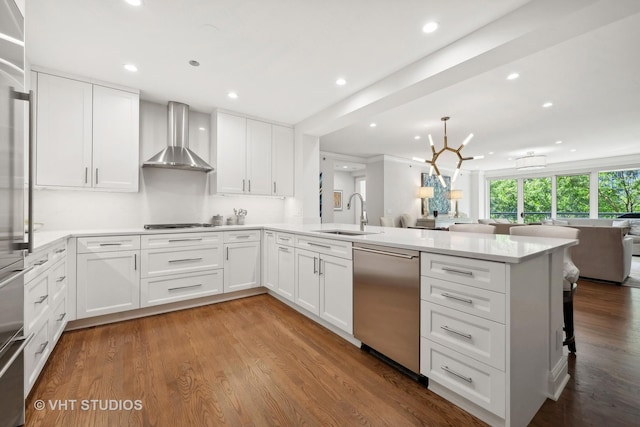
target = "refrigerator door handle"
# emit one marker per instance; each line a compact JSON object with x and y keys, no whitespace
{"x":28,"y":97}
{"x":25,"y":341}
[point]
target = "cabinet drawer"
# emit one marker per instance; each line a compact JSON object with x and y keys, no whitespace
{"x":58,"y":319}
{"x":481,"y":384}
{"x":176,"y":240}
{"x":325,"y":246}
{"x":107,"y":244}
{"x":241,"y":236}
{"x":58,"y":279}
{"x":478,"y":273}
{"x":158,"y":262}
{"x":36,"y":353}
{"x":58,"y":251}
{"x":44,"y":259}
{"x":285,"y":239}
{"x":168,"y":289}
{"x":481,"y":339}
{"x":36,"y":301}
{"x":479,"y":302}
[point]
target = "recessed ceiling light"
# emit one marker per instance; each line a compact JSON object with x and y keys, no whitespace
{"x":372,"y":125}
{"x":194,"y":63}
{"x":130,"y":67}
{"x":490,"y":152}
{"x":134,"y":2}
{"x":345,"y":167}
{"x":513,"y":76}
{"x":547,"y":104}
{"x":558,"y":142}
{"x":573,"y":150}
{"x":232,"y":95}
{"x":416,"y":137}
{"x":341,"y":82}
{"x":201,"y":128}
{"x":430,"y":27}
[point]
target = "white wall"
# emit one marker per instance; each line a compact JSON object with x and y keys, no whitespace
{"x":165,"y":195}
{"x":401,"y":182}
{"x":375,"y":191}
{"x":346,"y":182}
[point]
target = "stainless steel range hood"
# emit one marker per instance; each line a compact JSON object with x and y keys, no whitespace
{"x":178,"y":155}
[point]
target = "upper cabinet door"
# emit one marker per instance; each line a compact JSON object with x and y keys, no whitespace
{"x":282,"y":161}
{"x":231,"y":141}
{"x":64,"y":131}
{"x":115,"y":138}
{"x":258,"y":157}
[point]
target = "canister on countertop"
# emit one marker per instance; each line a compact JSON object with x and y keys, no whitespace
{"x":217,"y":220}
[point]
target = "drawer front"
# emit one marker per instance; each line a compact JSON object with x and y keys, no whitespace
{"x":479,"y":302}
{"x":163,"y":290}
{"x":481,"y":339}
{"x":59,"y":251}
{"x":43,"y":260}
{"x":107,"y":244}
{"x":58,"y":279}
{"x":285,"y":239}
{"x":159,"y":262}
{"x":241,"y":236}
{"x":325,"y":246}
{"x":478,"y":273}
{"x":36,"y":301}
{"x":178,"y":240}
{"x":58,"y":319}
{"x":481,"y":384}
{"x":36,"y":353}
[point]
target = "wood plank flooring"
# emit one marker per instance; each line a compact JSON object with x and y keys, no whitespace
{"x":257,"y":362}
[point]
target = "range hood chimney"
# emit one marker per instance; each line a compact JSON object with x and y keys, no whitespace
{"x":177,"y":155}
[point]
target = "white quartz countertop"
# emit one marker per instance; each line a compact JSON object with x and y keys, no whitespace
{"x":492,"y":247}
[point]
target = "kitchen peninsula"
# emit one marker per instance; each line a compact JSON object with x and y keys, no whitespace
{"x":502,"y":375}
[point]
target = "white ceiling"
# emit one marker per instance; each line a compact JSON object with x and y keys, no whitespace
{"x":282,"y":57}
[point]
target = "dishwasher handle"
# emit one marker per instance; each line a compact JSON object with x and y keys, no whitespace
{"x":375,"y":251}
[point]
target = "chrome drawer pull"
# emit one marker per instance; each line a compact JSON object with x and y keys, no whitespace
{"x":60,"y":279}
{"x":110,"y":244}
{"x":453,"y":331}
{"x":43,"y":346}
{"x":185,"y":260}
{"x":242,"y":237}
{"x":453,"y":270}
{"x":282,"y":248}
{"x":457,"y":298}
{"x":41,"y":262}
{"x":42,"y":299}
{"x":467,"y":379}
{"x":184,"y":287}
{"x":193,"y":239}
{"x":59,"y":251}
{"x":319,"y":245}
{"x":286,"y":239}
{"x":62,"y":316}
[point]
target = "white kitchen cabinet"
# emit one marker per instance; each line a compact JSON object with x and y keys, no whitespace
{"x":241,"y":265}
{"x":286,"y":272}
{"x":258,"y":157}
{"x":307,"y":282}
{"x":231,"y":153}
{"x":336,"y":291}
{"x":282,"y":161}
{"x":269,"y":260}
{"x":86,"y":135}
{"x":107,"y":282}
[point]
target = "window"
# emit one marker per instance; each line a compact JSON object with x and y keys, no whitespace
{"x":503,"y":199}
{"x":572,"y":196}
{"x":618,"y":193}
{"x":537,"y":199}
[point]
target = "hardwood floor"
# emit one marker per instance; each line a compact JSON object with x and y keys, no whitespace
{"x":257,"y":362}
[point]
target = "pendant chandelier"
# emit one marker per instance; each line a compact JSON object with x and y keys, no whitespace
{"x":435,"y":154}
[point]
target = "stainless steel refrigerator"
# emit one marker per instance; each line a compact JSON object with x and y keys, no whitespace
{"x":14,"y":110}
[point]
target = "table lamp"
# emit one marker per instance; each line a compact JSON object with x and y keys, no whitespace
{"x":455,"y":195}
{"x":425,"y":193}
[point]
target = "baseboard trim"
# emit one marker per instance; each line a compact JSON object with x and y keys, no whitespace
{"x":558,"y":378}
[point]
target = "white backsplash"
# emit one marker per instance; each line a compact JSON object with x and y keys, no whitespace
{"x":165,"y":196}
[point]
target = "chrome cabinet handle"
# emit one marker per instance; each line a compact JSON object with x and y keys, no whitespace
{"x":453,"y":270}
{"x":274,"y":187}
{"x":286,"y":239}
{"x":86,"y":175}
{"x":41,"y":262}
{"x":315,"y":265}
{"x":452,"y":372}
{"x":60,"y":279}
{"x":283,"y":249}
{"x":227,"y":253}
{"x":184,"y":287}
{"x":191,"y":239}
{"x":135,"y":262}
{"x":191,"y":259}
{"x":457,"y":298}
{"x":61,"y":318}
{"x":320,"y":264}
{"x":96,"y":175}
{"x":110,"y":244}
{"x":453,"y":331}
{"x":243,"y":185}
{"x":243,"y":237}
{"x":59,"y":251}
{"x":42,"y":299}
{"x":43,"y":346}
{"x":319,"y":245}
{"x":249,"y":186}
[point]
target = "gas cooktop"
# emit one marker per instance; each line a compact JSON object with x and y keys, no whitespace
{"x":165,"y":226}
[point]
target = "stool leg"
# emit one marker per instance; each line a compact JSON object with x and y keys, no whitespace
{"x":567,"y":312}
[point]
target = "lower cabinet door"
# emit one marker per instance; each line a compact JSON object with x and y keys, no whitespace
{"x":286,"y":272}
{"x":241,"y":266}
{"x":307,"y":291}
{"x":108,"y":282}
{"x":336,"y":291}
{"x":58,"y":318}
{"x":163,"y":290}
{"x":35,"y":354}
{"x":270,"y":260}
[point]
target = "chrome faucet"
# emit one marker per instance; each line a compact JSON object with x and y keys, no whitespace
{"x":363,"y":214}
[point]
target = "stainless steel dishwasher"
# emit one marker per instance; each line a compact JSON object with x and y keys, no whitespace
{"x":386,"y":302}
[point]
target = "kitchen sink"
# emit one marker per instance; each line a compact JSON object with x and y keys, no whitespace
{"x":346,"y":232}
